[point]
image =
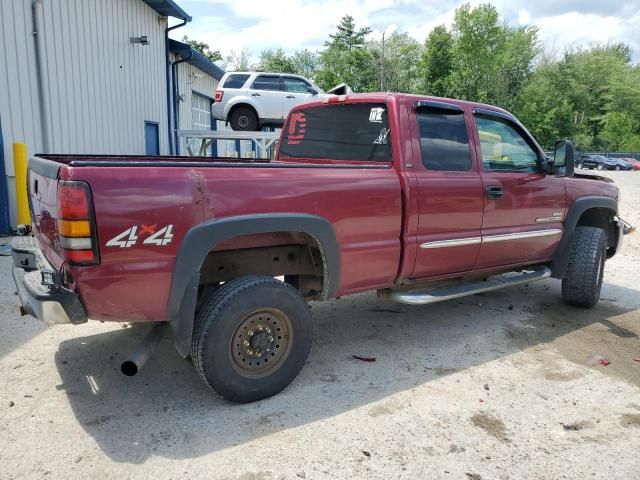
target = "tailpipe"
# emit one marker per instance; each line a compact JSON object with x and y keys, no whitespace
{"x":132,"y":365}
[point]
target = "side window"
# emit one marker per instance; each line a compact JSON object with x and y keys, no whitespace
{"x":444,"y":141}
{"x":503,"y":148}
{"x":295,"y":85}
{"x":236,"y":80}
{"x":266,"y":82}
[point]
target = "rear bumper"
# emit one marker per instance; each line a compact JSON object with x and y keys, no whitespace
{"x":52,"y":306}
{"x":217,"y":109}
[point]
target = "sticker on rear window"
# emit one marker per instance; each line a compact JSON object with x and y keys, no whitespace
{"x":297,"y":128}
{"x":382,"y":138}
{"x":375,"y":116}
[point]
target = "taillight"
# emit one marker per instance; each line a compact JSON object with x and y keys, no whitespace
{"x":219,"y":94}
{"x":76,"y":226}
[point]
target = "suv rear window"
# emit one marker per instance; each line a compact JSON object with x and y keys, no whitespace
{"x":235,"y":81}
{"x":357,"y":131}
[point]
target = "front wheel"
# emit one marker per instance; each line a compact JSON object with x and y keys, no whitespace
{"x":600,"y":167}
{"x":618,"y":167}
{"x":579,"y":165}
{"x":251,"y":338}
{"x":587,"y":253}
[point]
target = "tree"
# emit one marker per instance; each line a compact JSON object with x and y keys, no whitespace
{"x":401,"y":62}
{"x":436,"y":63}
{"x":346,"y":60}
{"x":204,"y":48}
{"x":275,"y":61}
{"x":305,"y":63}
{"x":238,"y":61}
{"x":347,"y":37}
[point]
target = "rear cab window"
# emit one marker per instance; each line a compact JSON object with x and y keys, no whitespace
{"x":236,"y":80}
{"x":352,"y":131}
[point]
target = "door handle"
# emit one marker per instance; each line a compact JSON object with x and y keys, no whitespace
{"x":255,"y":94}
{"x":291,"y":96}
{"x":494,"y":192}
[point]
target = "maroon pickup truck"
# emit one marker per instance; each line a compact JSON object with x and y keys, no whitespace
{"x":422,"y":199}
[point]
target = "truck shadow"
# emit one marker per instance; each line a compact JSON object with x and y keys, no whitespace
{"x":167,"y":411}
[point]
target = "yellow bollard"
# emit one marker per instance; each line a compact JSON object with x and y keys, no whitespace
{"x":22,"y":199}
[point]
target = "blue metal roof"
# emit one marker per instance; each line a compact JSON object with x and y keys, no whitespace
{"x":195,"y":58}
{"x":168,"y":8}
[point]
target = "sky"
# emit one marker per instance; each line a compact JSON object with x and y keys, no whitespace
{"x":297,"y":24}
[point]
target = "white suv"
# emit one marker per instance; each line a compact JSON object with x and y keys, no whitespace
{"x":252,"y":100}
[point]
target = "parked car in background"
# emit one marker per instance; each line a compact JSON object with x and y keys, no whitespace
{"x":251,"y":100}
{"x":599,"y":162}
{"x":635,"y":164}
{"x":622,"y":164}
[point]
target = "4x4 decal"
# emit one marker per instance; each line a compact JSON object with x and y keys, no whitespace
{"x":131,"y":235}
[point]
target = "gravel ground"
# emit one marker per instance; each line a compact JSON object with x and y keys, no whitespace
{"x":495,"y":386}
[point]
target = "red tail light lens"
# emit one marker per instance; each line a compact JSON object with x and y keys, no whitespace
{"x":77,"y":239}
{"x":219,"y":95}
{"x":73,"y":201}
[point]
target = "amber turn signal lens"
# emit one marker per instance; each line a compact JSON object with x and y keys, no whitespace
{"x":74,"y":228}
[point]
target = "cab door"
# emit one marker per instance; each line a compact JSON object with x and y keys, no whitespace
{"x":296,"y":91}
{"x":449,"y":189}
{"x":524,"y":207}
{"x":266,"y":91}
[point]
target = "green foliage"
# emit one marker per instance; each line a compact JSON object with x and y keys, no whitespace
{"x":346,"y":59}
{"x":204,"y":48}
{"x":591,"y":96}
{"x":436,"y":63}
{"x":276,"y":61}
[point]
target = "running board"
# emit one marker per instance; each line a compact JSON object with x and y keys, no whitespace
{"x":422,"y":297}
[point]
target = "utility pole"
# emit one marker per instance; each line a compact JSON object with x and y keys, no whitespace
{"x":382,"y":63}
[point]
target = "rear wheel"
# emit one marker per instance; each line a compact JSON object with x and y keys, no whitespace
{"x":600,"y":166}
{"x":579,"y":165}
{"x":244,"y":119}
{"x":252,"y":338}
{"x":587,"y":253}
{"x":618,"y":167}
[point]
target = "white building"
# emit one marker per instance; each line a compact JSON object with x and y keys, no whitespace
{"x":95,"y":76}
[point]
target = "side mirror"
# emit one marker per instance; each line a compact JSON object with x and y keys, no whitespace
{"x":564,"y":158}
{"x":312,"y":91}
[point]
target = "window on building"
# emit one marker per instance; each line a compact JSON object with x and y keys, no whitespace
{"x":503,"y":146}
{"x":357,"y":131}
{"x":444,"y":141}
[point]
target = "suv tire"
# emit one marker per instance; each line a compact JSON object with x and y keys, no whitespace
{"x":251,"y":338}
{"x":244,"y":119}
{"x":587,"y":253}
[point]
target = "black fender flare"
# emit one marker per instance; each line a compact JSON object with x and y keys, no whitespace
{"x":579,"y":206}
{"x":203,"y":238}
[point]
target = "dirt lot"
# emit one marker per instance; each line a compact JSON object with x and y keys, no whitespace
{"x":495,"y":386}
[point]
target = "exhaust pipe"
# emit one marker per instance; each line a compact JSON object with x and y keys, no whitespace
{"x":132,"y":365}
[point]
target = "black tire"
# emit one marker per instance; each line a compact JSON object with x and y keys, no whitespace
{"x":218,"y":348}
{"x":583,"y":281}
{"x":244,"y":119}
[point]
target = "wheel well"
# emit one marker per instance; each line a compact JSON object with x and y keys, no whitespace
{"x":240,"y":105}
{"x":602,"y":218}
{"x":296,"y":257}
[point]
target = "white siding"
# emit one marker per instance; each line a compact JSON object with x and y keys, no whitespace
{"x":102,"y":87}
